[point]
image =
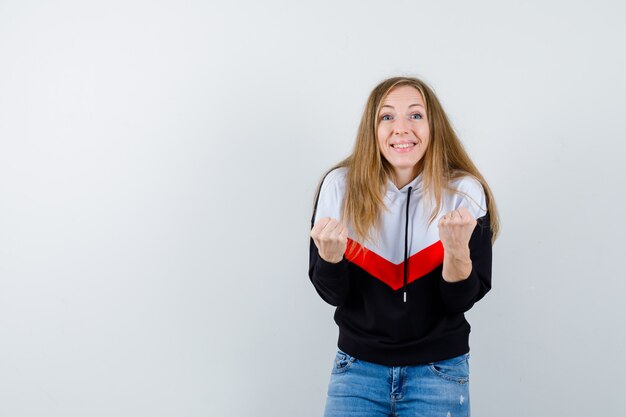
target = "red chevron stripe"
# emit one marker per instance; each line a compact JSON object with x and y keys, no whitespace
{"x":420,"y":263}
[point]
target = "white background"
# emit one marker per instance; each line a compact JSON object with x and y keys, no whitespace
{"x":158,"y":162}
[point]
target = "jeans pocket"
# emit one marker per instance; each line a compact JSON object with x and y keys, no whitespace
{"x":454,"y":369}
{"x":342,"y":363}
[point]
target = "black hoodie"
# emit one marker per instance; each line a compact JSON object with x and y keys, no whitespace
{"x":393,"y":305}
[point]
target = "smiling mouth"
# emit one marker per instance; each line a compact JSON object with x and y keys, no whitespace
{"x":403,"y":145}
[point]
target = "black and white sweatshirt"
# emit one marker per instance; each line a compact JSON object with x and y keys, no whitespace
{"x":375,"y":323}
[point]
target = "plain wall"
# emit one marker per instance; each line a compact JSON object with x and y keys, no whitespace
{"x":158,"y":161}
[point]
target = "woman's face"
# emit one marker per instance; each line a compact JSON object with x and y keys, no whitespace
{"x":403,"y":132}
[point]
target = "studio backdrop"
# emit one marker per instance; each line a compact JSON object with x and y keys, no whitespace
{"x":158,"y":163}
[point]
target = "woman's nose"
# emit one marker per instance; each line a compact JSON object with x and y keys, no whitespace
{"x":400,"y":126}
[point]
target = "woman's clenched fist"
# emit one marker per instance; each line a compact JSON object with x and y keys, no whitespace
{"x":331,"y":238}
{"x":455,"y":231}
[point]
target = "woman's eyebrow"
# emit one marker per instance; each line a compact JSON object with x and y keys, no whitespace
{"x":412,"y":105}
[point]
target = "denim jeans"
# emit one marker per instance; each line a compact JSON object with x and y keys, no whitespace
{"x":364,"y":389}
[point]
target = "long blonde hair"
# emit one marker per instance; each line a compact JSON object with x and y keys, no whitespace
{"x":368,"y":171}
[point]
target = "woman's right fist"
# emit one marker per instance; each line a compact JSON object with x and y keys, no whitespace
{"x":331,"y":239}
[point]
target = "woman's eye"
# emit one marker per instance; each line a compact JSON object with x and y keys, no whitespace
{"x":419,"y":116}
{"x":385,"y":117}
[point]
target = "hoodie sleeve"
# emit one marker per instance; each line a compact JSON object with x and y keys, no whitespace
{"x":460,"y":296}
{"x":331,"y":281}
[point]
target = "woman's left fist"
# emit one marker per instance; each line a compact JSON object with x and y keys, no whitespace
{"x":455,"y":230}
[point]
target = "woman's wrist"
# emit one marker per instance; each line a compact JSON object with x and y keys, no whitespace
{"x":457,"y":266}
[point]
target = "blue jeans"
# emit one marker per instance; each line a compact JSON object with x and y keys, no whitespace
{"x":364,"y":389}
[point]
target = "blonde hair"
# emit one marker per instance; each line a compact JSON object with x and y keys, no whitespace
{"x":368,"y":171}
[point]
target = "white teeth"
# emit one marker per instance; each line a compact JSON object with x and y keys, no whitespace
{"x":403,"y":145}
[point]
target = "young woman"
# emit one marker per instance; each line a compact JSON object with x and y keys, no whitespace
{"x":401,"y":242}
